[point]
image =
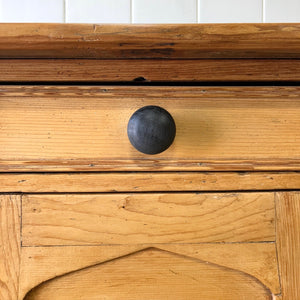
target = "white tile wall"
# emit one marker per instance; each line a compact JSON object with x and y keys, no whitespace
{"x":164,"y":11}
{"x":150,"y":11}
{"x":230,"y":11}
{"x":98,"y":11}
{"x":51,"y":11}
{"x":282,"y":11}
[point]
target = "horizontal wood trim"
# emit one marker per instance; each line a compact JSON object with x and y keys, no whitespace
{"x":73,"y":128}
{"x":150,"y":41}
{"x":86,"y":219}
{"x":147,"y":182}
{"x":249,"y":258}
{"x":204,"y":70}
{"x":149,"y":164}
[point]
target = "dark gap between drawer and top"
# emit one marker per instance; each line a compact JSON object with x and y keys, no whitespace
{"x":153,"y":83}
{"x":154,"y":192}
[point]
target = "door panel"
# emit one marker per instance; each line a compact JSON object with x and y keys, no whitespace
{"x":255,"y":259}
{"x":85,"y":219}
{"x":153,"y":274}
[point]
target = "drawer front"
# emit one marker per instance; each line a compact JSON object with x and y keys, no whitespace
{"x":85,"y":128}
{"x":91,"y":219}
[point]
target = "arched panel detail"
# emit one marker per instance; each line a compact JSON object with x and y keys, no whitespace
{"x":152,"y":273}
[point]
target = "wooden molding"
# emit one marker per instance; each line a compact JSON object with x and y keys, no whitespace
{"x":147,"y":182}
{"x":171,"y":41}
{"x":149,"y":70}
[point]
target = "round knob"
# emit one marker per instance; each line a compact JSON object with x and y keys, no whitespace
{"x":151,"y":130}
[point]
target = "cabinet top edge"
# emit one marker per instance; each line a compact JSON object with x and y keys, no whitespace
{"x":150,"y":41}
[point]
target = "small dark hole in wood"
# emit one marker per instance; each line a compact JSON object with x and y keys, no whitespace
{"x":140,"y":79}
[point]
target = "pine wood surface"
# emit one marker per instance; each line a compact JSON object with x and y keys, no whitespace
{"x":147,"y":182}
{"x":149,"y":70}
{"x":10,"y":243}
{"x":73,"y":128}
{"x":153,"y":274}
{"x":255,"y":259}
{"x":166,"y":233}
{"x":288,"y":243}
{"x":147,"y":218}
{"x":150,"y":41}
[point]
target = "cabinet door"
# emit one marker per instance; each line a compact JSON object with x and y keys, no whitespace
{"x":151,"y":270}
{"x":149,"y":246}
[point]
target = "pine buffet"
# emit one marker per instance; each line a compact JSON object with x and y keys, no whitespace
{"x":150,"y":161}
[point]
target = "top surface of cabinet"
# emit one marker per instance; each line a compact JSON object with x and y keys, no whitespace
{"x":149,"y":53}
{"x":169,"y":41}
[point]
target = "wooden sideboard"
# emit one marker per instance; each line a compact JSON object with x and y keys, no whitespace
{"x":84,"y":215}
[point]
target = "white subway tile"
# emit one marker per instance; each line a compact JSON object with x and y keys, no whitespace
{"x":98,"y":11}
{"x":18,"y":11}
{"x":164,"y":11}
{"x":282,"y":10}
{"x":230,"y":11}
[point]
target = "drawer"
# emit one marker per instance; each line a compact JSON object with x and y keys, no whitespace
{"x":84,"y":128}
{"x":144,"y":245}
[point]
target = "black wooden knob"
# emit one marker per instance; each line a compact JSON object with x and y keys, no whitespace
{"x":151,"y":130}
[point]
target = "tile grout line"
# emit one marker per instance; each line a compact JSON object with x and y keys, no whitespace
{"x":197,"y":11}
{"x":264,"y":11}
{"x":64,"y":8}
{"x":131,"y":12}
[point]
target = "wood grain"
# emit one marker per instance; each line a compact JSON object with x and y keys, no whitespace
{"x":147,"y":218}
{"x":255,"y":259}
{"x":150,"y":41}
{"x":110,"y":70}
{"x":288,"y":242}
{"x":153,"y":274}
{"x":10,"y":244}
{"x":49,"y":128}
{"x":147,"y":182}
